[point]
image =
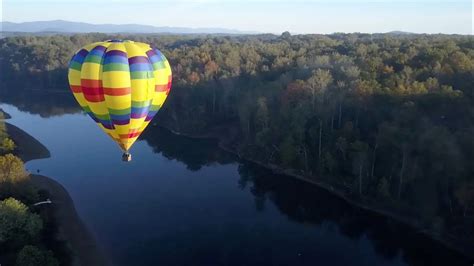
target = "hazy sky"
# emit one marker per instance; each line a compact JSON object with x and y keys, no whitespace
{"x":306,"y":16}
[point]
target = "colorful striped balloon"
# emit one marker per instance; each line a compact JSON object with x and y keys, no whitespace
{"x":121,"y":85}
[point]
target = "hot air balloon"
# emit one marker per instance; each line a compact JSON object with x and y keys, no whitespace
{"x":121,"y":85}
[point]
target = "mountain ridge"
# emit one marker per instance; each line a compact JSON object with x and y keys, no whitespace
{"x":63,"y":26}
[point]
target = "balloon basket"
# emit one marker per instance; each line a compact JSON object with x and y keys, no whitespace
{"x":126,"y":157}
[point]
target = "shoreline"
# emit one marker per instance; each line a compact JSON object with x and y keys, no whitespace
{"x":446,"y":240}
{"x":83,"y":246}
{"x":27,"y":147}
{"x":5,"y":114}
{"x":80,"y":241}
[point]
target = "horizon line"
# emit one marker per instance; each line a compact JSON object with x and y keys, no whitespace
{"x":244,"y":31}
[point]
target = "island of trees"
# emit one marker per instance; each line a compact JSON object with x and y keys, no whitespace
{"x":386,"y":119}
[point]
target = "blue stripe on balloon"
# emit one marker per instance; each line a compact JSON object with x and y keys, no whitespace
{"x":79,"y":58}
{"x":120,"y":117}
{"x":115,"y":59}
{"x":150,"y":115}
{"x":98,"y":50}
{"x":141,"y":67}
{"x":116,"y":52}
{"x":154,"y":59}
{"x":105,"y":123}
{"x":138,"y":112}
{"x":158,"y":53}
{"x":121,"y":122}
{"x":83,"y":52}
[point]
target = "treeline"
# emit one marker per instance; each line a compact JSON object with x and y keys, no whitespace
{"x":6,"y":143}
{"x":27,"y":233}
{"x":388,"y":119}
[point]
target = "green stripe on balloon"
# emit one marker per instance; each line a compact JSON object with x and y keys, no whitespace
{"x":141,"y":75}
{"x":120,"y":111}
{"x":140,"y":104}
{"x":75,"y":65}
{"x":115,"y":67}
{"x":93,"y":59}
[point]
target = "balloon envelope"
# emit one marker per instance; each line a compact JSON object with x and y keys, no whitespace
{"x":121,"y":85}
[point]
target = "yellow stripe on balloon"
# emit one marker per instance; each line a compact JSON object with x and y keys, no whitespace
{"x":145,"y":47}
{"x":91,"y":71}
{"x":118,"y":102}
{"x":138,"y":93}
{"x":134,"y":50}
{"x":161,"y":77}
{"x":74,"y":77}
{"x":129,"y":142}
{"x":144,"y":125}
{"x":80,"y":99}
{"x":116,"y":46}
{"x":122,"y":129}
{"x":98,"y":108}
{"x":92,"y":45}
{"x":160,"y":98}
{"x":167,"y":67}
{"x":116,"y":79}
{"x":136,"y":123}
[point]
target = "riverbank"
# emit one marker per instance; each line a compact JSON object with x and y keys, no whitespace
{"x":27,"y":147}
{"x":71,"y":228}
{"x":5,"y":114}
{"x":226,"y":136}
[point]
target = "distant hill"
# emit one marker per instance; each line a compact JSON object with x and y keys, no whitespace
{"x":62,"y":26}
{"x":398,"y":32}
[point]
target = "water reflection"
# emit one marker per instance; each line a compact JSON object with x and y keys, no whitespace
{"x":309,"y":205}
{"x":194,"y":153}
{"x":46,"y":103}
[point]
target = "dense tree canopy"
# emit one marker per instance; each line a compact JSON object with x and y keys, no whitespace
{"x":33,"y":256}
{"x":389,"y":119}
{"x":6,"y":144}
{"x":17,"y":224}
{"x":11,"y":169}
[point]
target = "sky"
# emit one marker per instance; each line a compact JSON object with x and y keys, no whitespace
{"x":296,"y":16}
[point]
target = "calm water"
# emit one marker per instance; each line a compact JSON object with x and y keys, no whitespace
{"x":185,"y":202}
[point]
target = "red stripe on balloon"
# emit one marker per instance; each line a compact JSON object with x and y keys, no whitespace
{"x":94,"y":98}
{"x":92,"y":90}
{"x":129,"y":136}
{"x":91,"y":83}
{"x":161,"y":88}
{"x":76,"y":88}
{"x":117,"y":91}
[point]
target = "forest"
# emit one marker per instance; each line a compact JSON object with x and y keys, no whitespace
{"x":386,"y":118}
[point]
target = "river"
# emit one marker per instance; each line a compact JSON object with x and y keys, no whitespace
{"x":186,"y":202}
